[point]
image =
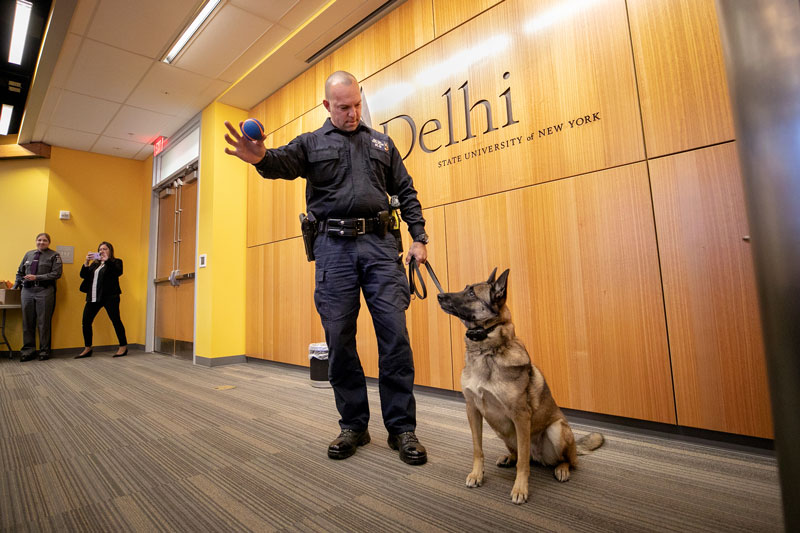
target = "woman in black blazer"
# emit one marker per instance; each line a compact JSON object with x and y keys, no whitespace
{"x":100,"y":273}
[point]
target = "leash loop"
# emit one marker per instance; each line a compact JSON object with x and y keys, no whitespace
{"x":413,"y":267}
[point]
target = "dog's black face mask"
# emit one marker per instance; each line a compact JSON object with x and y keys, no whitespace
{"x":478,"y":305}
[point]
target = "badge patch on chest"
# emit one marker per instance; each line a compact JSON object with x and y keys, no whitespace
{"x":380,"y":145}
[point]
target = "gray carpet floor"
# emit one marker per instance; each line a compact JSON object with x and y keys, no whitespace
{"x":153,"y":443}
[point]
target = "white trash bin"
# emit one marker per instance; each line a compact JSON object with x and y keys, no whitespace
{"x":318,"y":364}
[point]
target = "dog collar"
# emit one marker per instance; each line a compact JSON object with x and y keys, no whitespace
{"x":479,"y":334}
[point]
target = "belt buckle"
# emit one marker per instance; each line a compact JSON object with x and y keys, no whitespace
{"x":361,"y":226}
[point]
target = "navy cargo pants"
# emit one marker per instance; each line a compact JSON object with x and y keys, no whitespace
{"x":345,"y":266}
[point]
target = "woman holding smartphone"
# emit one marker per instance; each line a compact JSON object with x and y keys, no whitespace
{"x":100,"y":273}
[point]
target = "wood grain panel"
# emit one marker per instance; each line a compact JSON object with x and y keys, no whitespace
{"x":258,"y":333}
{"x":166,"y":236}
{"x":584,"y":286}
{"x":166,"y":311}
{"x":428,"y":327}
{"x":681,"y":74}
{"x":285,"y":303}
{"x":545,"y":92}
{"x":184,"y":319}
{"x":291,"y":101}
{"x":397,"y":34}
{"x":448,"y":14}
{"x":539,"y":70}
{"x":273,"y":205}
{"x":188,"y":228}
{"x":709,"y":291}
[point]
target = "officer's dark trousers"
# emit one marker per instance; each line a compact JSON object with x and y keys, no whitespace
{"x":344,"y":268}
{"x":38,"y":304}
{"x":90,"y":311}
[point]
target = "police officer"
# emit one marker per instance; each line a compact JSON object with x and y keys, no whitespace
{"x":350,"y":170}
{"x":37,"y":275}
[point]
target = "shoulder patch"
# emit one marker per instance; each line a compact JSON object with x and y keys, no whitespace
{"x":380,"y":145}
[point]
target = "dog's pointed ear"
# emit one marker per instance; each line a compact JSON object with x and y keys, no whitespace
{"x":491,"y":276}
{"x":499,"y":288}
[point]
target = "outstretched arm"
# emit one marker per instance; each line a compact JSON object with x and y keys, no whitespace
{"x":248,"y":151}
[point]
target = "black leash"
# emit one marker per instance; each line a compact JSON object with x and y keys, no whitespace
{"x":413,"y":266}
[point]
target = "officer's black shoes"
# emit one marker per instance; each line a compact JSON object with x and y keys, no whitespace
{"x":346,"y":443}
{"x":44,"y":356}
{"x":27,"y":357}
{"x":411,"y":451}
{"x":82,"y":355}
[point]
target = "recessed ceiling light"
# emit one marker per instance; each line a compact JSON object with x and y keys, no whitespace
{"x":22,"y":16}
{"x":5,"y":118}
{"x":190,"y":30}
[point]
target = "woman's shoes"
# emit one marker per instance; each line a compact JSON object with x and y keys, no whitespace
{"x":89,"y":354}
{"x":121,"y":354}
{"x":82,"y":355}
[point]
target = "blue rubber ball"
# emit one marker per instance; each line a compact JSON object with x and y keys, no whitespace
{"x":253,"y":129}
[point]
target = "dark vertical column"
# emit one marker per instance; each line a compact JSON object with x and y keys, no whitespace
{"x":761,"y":41}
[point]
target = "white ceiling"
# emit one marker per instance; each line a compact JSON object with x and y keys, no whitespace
{"x":108,"y":92}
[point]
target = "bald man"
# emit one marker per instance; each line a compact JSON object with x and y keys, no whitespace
{"x":350,"y":172}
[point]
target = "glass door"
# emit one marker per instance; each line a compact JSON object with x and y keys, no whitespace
{"x":175,"y":268}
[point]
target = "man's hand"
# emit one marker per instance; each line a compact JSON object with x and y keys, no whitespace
{"x":248,"y":151}
{"x":419,"y":251}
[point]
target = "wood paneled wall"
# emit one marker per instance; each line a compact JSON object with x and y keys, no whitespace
{"x":584,"y":287}
{"x":715,"y":333}
{"x":681,"y":74}
{"x":630,"y":284}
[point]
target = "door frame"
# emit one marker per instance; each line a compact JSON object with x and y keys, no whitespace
{"x":150,"y":320}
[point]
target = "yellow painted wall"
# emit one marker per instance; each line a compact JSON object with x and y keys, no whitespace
{"x":23,"y":193}
{"x":222,"y":211}
{"x":108,"y":198}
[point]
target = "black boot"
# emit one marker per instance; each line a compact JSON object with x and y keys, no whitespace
{"x":346,"y":443}
{"x":411,"y":451}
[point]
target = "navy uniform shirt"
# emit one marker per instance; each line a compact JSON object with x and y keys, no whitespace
{"x":348,"y":174}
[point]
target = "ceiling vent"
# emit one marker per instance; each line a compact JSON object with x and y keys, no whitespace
{"x":354,"y":30}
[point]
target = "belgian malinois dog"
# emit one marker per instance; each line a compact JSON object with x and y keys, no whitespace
{"x":501,"y":385}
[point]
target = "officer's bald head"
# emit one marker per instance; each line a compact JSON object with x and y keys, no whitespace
{"x":343,"y":100}
{"x":340,"y":77}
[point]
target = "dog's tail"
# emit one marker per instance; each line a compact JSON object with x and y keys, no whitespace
{"x":589,"y":443}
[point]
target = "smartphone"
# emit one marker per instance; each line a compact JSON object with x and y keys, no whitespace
{"x":95,"y":256}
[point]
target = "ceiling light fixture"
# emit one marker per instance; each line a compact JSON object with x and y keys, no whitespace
{"x":190,"y":31}
{"x":22,"y":16}
{"x":5,"y":118}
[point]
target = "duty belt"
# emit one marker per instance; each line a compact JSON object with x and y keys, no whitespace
{"x":31,"y":284}
{"x":352,"y":227}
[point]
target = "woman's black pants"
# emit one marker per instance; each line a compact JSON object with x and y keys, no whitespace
{"x":112,"y":308}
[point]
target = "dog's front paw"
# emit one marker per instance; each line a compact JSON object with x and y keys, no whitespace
{"x":561,"y":472}
{"x":506,"y":461}
{"x":519,"y":494}
{"x":475,"y":479}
